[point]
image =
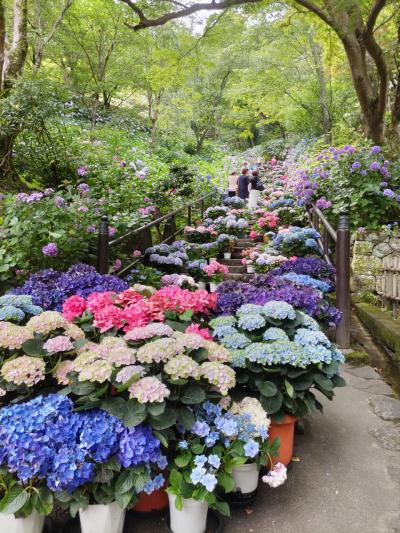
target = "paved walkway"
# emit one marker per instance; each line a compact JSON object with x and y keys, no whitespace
{"x":347,"y":478}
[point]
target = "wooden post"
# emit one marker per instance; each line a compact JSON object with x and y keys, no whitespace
{"x":202,"y":208}
{"x":103,"y":247}
{"x":189,"y":217}
{"x":325,"y":241}
{"x":343,"y":281}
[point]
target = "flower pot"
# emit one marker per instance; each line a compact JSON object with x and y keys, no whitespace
{"x":212,"y":259}
{"x":102,"y":518}
{"x":31,"y":524}
{"x":201,"y":284}
{"x":191,"y":519}
{"x":227,"y":255}
{"x":266,"y":239}
{"x":213,"y":286}
{"x":285,"y":431}
{"x":245,"y":478}
{"x":148,"y":503}
{"x":250,"y":269}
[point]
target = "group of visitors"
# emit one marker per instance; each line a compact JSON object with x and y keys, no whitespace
{"x":248,"y":185}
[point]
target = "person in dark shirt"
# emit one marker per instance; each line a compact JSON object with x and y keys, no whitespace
{"x":243,"y":184}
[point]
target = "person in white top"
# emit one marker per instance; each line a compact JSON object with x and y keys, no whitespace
{"x":232,"y":183}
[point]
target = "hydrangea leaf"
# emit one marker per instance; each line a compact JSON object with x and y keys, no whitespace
{"x":267,"y":388}
{"x":14,"y":500}
{"x":193,"y":394}
{"x":186,"y":417}
{"x":42,"y":501}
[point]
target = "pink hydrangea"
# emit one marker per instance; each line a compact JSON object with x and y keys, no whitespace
{"x":127,"y":372}
{"x":149,"y":390}
{"x":203,"y":332}
{"x":149,"y":331}
{"x":221,"y":376}
{"x":108,"y":317}
{"x":98,"y":300}
{"x":58,"y":344}
{"x":276,"y":476}
{"x":61,"y":372}
{"x":215,"y":268}
{"x":253,"y":234}
{"x":12,"y":337}
{"x":24,"y":370}
{"x":73,"y":307}
{"x":128,"y":297}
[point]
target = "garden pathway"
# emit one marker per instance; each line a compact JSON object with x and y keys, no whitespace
{"x":346,"y":477}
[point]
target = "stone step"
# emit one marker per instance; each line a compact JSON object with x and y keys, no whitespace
{"x":237,"y":255}
{"x":235,"y":277}
{"x":231,"y":262}
{"x":237,"y":269}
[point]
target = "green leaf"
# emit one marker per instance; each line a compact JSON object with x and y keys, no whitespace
{"x":161,"y":437}
{"x":226,"y":481}
{"x":14,"y":500}
{"x":33,"y":347}
{"x":42,"y":501}
{"x":124,"y":500}
{"x":156,"y":409}
{"x":197,"y":448}
{"x":186,"y":417}
{"x":272,"y":405}
{"x":82,"y":389}
{"x":175,"y":477}
{"x":186,"y":316}
{"x":222,"y":508}
{"x":323,"y":382}
{"x":165,"y":420}
{"x":193,"y":394}
{"x":183,"y":459}
{"x":289,"y":389}
{"x":135,"y":415}
{"x":125,"y":481}
{"x":117,"y":407}
{"x":267,"y":388}
{"x":338,"y":381}
{"x":199,"y":355}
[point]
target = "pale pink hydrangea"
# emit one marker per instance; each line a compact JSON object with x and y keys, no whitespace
{"x":2,"y":392}
{"x":144,"y":290}
{"x":188,"y":341}
{"x":225,"y":402}
{"x":91,"y":368}
{"x":216,"y":352}
{"x":58,"y":344}
{"x":61,"y":372}
{"x":149,"y":390}
{"x":116,"y":351}
{"x":253,"y":408}
{"x":276,"y":476}
{"x":154,"y":329}
{"x":221,"y":376}
{"x":182,"y":367}
{"x":160,"y":350}
{"x":12,"y":337}
{"x":74,"y":332}
{"x":127,"y":372}
{"x":46,"y":322}
{"x":24,"y":370}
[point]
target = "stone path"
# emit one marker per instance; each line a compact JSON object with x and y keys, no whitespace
{"x":347,"y":476}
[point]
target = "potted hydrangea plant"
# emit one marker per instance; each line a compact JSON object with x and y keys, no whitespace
{"x":216,"y":272}
{"x":281,"y":355}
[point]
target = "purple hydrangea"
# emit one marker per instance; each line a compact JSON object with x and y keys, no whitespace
{"x":50,"y":250}
{"x":50,"y":288}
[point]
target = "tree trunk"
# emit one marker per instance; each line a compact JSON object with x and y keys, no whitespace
{"x":8,"y":179}
{"x":322,"y":90}
{"x":396,"y":109}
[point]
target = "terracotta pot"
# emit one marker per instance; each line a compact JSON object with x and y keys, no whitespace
{"x":266,"y":239}
{"x":285,"y":431}
{"x":156,"y":501}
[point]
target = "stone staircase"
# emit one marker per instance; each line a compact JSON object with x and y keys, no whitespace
{"x":237,"y":271}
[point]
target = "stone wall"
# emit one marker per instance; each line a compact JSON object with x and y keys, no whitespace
{"x":369,"y":250}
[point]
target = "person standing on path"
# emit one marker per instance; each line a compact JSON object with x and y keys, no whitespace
{"x":255,"y":188}
{"x":243,"y":184}
{"x":273,"y":162}
{"x":232,"y":183}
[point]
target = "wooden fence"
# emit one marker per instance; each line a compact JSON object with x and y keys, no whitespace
{"x":142,"y":238}
{"x":335,"y":247}
{"x":388,"y":283}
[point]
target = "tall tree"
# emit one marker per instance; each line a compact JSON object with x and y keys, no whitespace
{"x":354,"y":23}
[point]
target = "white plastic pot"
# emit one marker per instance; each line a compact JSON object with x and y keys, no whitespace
{"x":191,"y":519}
{"x":250,"y":269}
{"x":245,"y":478}
{"x":227,"y":255}
{"x":213,"y":287}
{"x":201,"y":284}
{"x":31,"y":524}
{"x":102,"y":518}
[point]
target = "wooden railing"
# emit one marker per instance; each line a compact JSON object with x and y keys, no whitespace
{"x":143,"y":236}
{"x":335,"y":247}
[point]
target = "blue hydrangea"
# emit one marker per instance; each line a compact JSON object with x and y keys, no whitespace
{"x":279,"y":310}
{"x":249,"y":309}
{"x":154,"y":484}
{"x":214,"y":460}
{"x":11,"y":313}
{"x":222,"y":321}
{"x":223,"y":331}
{"x":275,"y":334}
{"x":308,"y":322}
{"x":251,"y":448}
{"x":303,"y":279}
{"x":306,"y":337}
{"x":201,"y":428}
{"x":251,"y":322}
{"x":237,"y":359}
{"x":235,"y":341}
{"x":311,"y":243}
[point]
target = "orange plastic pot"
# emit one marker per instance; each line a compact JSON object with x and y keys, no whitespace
{"x":285,"y":431}
{"x":156,"y":501}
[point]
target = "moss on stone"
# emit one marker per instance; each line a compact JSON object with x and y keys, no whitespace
{"x":381,"y":324}
{"x":366,"y":265}
{"x":362,"y":248}
{"x":357,"y":358}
